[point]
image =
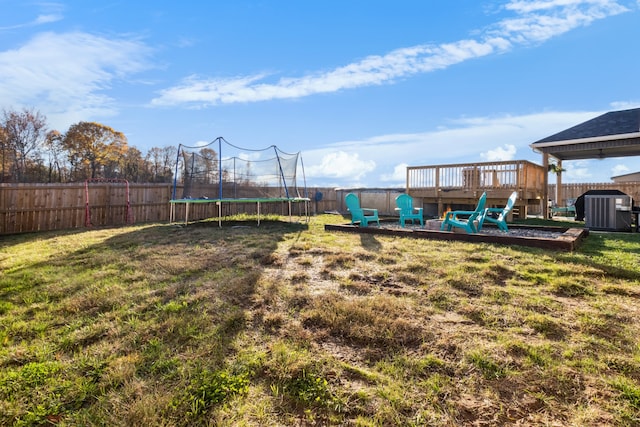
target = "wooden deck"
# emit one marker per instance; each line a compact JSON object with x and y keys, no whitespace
{"x":456,"y":185}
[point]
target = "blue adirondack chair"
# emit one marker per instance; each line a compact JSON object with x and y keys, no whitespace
{"x":358,"y":214}
{"x":404,"y":203}
{"x":498,"y":216}
{"x":468,"y":220}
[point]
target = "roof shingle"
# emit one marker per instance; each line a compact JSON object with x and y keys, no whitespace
{"x":611,"y":123}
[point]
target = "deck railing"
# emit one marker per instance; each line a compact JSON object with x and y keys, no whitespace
{"x":518,"y":175}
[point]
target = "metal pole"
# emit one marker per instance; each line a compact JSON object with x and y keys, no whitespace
{"x":220,"y":167}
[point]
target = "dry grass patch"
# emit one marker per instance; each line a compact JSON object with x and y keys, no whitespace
{"x":285,"y":324}
{"x":382,"y":321}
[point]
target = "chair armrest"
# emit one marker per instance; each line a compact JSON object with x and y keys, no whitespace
{"x":447,"y":215}
{"x":476,"y":214}
{"x":455,"y":214}
{"x":493,"y":210}
{"x":375,"y":211}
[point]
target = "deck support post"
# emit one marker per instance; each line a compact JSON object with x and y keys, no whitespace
{"x":545,"y":185}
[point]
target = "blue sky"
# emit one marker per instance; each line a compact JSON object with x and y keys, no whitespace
{"x":362,"y":88}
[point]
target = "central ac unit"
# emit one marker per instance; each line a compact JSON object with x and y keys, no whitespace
{"x":607,"y":212}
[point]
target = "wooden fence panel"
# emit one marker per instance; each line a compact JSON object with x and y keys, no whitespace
{"x":325,"y":201}
{"x":573,"y":191}
{"x":39,"y":207}
{"x":150,"y":203}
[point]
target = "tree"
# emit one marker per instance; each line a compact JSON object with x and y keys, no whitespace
{"x":162,"y":162}
{"x":4,"y":149}
{"x":23,"y":136}
{"x":57,"y":170}
{"x":153,"y":159}
{"x":169,"y":159}
{"x":95,"y":150}
{"x":208,"y":165}
{"x":135,"y":168}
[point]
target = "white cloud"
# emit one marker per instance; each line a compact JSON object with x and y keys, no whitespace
{"x":535,"y":22}
{"x":577,"y":171}
{"x":506,"y":152}
{"x":463,"y":140}
{"x":40,"y":20}
{"x":538,"y":21}
{"x":373,"y":70}
{"x":341,"y":165}
{"x":466,"y":140}
{"x":625,"y":105}
{"x":528,"y":6}
{"x":66,"y":73}
{"x":46,"y":19}
{"x":399,"y":174}
{"x":620,"y":169}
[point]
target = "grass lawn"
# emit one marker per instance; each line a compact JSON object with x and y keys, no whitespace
{"x":286,"y":324}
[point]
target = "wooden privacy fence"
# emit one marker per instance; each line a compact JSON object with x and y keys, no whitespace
{"x":40,"y":207}
{"x":382,"y":199}
{"x":28,"y":208}
{"x":570,"y":192}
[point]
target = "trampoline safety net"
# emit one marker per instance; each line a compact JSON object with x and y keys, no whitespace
{"x":220,"y":170}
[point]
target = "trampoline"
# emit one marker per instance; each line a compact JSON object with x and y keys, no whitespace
{"x":232,"y":176}
{"x":257,"y":201}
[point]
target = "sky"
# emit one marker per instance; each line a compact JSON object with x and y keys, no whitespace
{"x":362,"y":88}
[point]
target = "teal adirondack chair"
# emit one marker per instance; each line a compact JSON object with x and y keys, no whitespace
{"x":404,"y":203}
{"x":501,"y":218}
{"x":468,"y":220}
{"x":358,"y":214}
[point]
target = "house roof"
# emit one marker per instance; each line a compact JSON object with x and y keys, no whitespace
{"x":613,"y":134}
{"x":626,"y":175}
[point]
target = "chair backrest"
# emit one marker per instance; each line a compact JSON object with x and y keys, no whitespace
{"x":353,"y":203}
{"x":482,"y":201}
{"x":510,"y":203}
{"x":404,"y":203}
